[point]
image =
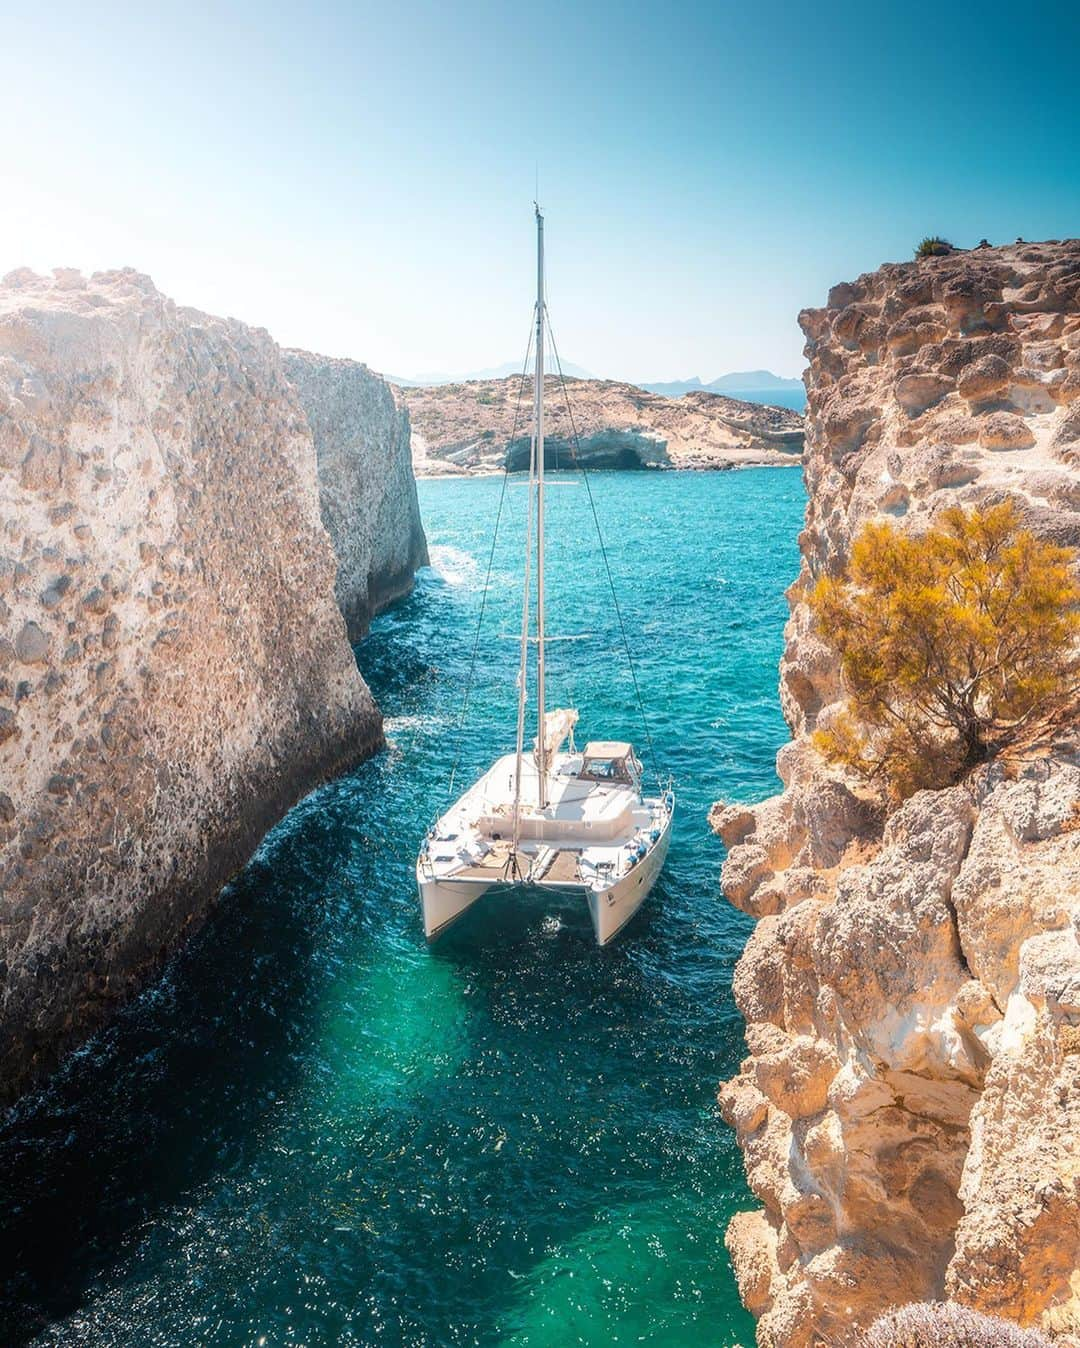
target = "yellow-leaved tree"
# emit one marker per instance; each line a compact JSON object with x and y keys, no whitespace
{"x":954,"y":645}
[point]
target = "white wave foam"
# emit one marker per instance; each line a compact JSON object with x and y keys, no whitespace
{"x":454,"y":565}
{"x":393,"y":725}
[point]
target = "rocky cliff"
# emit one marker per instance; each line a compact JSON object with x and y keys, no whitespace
{"x":366,"y":486}
{"x":478,"y":426}
{"x":910,"y":1109}
{"x":174,"y":671}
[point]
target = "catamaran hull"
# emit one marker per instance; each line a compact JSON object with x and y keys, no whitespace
{"x":611,"y":909}
{"x":444,"y":903}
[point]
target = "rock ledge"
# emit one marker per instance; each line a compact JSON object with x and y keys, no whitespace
{"x":910,"y":1109}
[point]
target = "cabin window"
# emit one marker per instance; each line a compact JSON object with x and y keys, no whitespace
{"x":605,"y":770}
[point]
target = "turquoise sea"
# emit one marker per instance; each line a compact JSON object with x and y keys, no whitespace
{"x":795,"y":398}
{"x":314,"y":1130}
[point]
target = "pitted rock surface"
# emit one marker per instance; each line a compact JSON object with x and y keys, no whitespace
{"x":908,"y":1112}
{"x":174,"y":671}
{"x":367,"y":490}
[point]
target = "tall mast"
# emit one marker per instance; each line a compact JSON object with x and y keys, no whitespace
{"x":541,"y":752}
{"x":523,"y":665}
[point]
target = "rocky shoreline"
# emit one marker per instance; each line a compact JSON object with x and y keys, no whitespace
{"x":174,"y":670}
{"x":477,"y":427}
{"x":909,"y":1112}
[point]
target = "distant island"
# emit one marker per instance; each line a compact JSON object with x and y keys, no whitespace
{"x":753,"y":386}
{"x":756,"y":386}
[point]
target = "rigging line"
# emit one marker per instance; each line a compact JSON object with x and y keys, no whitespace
{"x":487,"y":577}
{"x":575,"y":449}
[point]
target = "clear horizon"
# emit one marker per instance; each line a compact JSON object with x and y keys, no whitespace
{"x":359,"y":180}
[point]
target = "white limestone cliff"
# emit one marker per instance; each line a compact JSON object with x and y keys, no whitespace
{"x":909,"y":1111}
{"x":174,"y":671}
{"x":366,"y":485}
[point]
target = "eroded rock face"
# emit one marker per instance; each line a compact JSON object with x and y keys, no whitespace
{"x":174,"y":671}
{"x":909,"y":1110}
{"x":480,"y":425}
{"x":366,"y":486}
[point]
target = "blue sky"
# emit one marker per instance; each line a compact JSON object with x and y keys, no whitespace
{"x":358,"y":178}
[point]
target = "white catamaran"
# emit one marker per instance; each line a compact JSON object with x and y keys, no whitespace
{"x":556,"y":818}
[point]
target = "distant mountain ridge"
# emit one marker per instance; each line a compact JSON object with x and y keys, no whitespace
{"x":739,"y":382}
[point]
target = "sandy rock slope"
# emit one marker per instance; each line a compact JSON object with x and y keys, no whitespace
{"x":474,"y":427}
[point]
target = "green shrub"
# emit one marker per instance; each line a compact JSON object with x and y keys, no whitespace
{"x":932,"y":246}
{"x":954,"y":645}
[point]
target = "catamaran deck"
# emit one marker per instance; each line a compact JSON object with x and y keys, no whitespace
{"x":563,"y":868}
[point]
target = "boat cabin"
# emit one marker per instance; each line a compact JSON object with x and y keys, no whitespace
{"x":611,"y":762}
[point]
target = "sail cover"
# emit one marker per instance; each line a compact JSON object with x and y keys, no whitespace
{"x":557,"y":725}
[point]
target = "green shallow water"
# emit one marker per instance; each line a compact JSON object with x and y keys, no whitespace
{"x":314,"y":1130}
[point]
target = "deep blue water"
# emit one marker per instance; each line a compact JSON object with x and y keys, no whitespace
{"x":315,"y":1130}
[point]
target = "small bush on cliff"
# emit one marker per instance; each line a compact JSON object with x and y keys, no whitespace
{"x":953,"y":646}
{"x":944,"y":1324}
{"x":932,"y":246}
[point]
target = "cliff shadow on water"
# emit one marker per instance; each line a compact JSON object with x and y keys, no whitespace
{"x":316,"y":1129}
{"x":168,"y":1098}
